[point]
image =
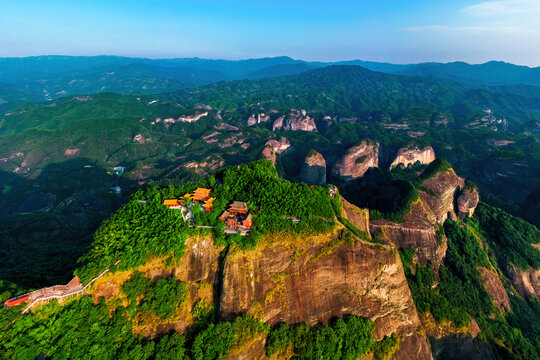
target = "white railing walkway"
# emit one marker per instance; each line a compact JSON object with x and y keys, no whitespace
{"x":61,"y":295}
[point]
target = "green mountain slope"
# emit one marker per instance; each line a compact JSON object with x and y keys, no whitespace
{"x":142,"y":308}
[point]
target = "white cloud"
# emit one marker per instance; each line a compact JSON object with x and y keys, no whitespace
{"x":495,"y":30}
{"x":503,"y":8}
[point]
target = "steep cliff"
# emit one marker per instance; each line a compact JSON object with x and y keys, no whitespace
{"x":280,"y":145}
{"x":411,"y":154}
{"x":285,"y":280}
{"x":356,"y":161}
{"x":295,"y":120}
{"x":198,"y":268}
{"x":421,"y":226}
{"x":313,"y":171}
{"x":526,"y":282}
{"x":257,"y":119}
{"x":466,"y":202}
{"x":269,"y":154}
{"x":495,"y":288}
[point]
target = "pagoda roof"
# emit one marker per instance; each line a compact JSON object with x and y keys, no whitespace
{"x":239,"y":204}
{"x":201,"y":194}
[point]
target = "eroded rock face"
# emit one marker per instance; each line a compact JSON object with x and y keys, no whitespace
{"x":467,"y":202}
{"x":257,"y":119}
{"x":295,"y":120}
{"x":269,"y":154}
{"x":413,"y":347}
{"x":495,"y":288}
{"x":198,"y":269}
{"x":313,"y":171}
{"x":358,"y":217}
{"x":419,"y":228}
{"x":444,"y":187}
{"x":526,"y":282}
{"x":139,"y":138}
{"x":279,"y":146}
{"x":357,"y":160}
{"x":302,"y":281}
{"x":410,"y":155}
{"x":422,"y":238}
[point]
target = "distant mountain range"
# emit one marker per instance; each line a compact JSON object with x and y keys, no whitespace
{"x":49,"y":77}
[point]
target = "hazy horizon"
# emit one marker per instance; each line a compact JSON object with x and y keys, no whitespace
{"x":258,"y":58}
{"x":471,"y":31}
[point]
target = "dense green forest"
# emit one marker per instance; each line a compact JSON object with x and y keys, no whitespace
{"x":57,"y":195}
{"x":458,"y":294}
{"x":144,"y":228}
{"x":57,"y":161}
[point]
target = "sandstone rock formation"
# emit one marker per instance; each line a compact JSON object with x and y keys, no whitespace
{"x":198,"y":268}
{"x":420,"y":226}
{"x":410,"y":155}
{"x":279,"y":146}
{"x":526,"y":282}
{"x":269,"y":154}
{"x":139,"y":138}
{"x":295,"y":120}
{"x":495,"y":288}
{"x":313,"y":171}
{"x":286,"y":280}
{"x":274,"y":147}
{"x":467,"y":202}
{"x":357,"y":160}
{"x":183,"y":118}
{"x":257,"y":119}
{"x":290,"y":279}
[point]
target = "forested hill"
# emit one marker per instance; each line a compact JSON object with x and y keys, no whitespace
{"x":49,"y":77}
{"x":353,"y":90}
{"x":490,"y":73}
{"x":313,"y":278}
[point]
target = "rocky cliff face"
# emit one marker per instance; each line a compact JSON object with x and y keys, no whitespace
{"x":356,"y":161}
{"x":526,"y":282}
{"x":257,"y":119}
{"x":356,"y":216}
{"x":295,"y":120}
{"x":199,"y":268}
{"x":495,"y":288}
{"x":466,"y":203}
{"x":419,"y":229}
{"x":311,"y":281}
{"x":274,"y":147}
{"x":410,"y":155}
{"x":313,"y":171}
{"x":269,"y":154}
{"x":279,"y":146}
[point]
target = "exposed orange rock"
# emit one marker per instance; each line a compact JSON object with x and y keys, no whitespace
{"x":358,"y":217}
{"x":269,"y":154}
{"x":70,"y":152}
{"x":526,"y":282}
{"x":313,"y":171}
{"x":495,"y":288}
{"x":419,"y":229}
{"x":139,"y":138}
{"x":257,"y":119}
{"x":287,"y":280}
{"x":279,"y":146}
{"x":410,"y":155}
{"x":198,"y":268}
{"x":294,"y":121}
{"x":466,"y":202}
{"x":357,"y":160}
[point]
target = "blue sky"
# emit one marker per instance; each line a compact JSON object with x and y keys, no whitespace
{"x":398,"y":31}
